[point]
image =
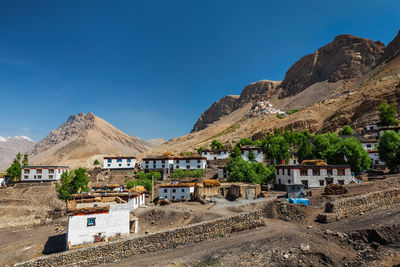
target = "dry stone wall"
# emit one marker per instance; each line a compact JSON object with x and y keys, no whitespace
{"x":345,"y":207}
{"x":118,"y":250}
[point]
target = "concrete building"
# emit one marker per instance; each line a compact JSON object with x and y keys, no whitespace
{"x":215,"y":154}
{"x":2,"y":180}
{"x":259,"y":155}
{"x":42,"y":173}
{"x":127,"y":162}
{"x":189,"y":163}
{"x":222,"y":173}
{"x":180,"y":191}
{"x":172,"y":163}
{"x":96,"y":220}
{"x":313,"y":175}
{"x":374,"y":156}
{"x":244,"y":190}
{"x":370,"y":145}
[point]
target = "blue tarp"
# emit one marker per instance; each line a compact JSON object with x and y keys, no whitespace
{"x":299,"y":201}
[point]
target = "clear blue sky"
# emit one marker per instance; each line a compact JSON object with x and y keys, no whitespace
{"x":152,"y":67}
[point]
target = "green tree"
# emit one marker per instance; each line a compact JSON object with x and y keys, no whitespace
{"x":251,"y":156}
{"x":19,"y":156}
{"x":389,"y":150}
{"x":96,"y":162}
{"x":187,"y":154}
{"x":278,"y":150}
{"x":14,"y":171}
{"x":72,"y":182}
{"x":131,"y":183}
{"x":245,"y":142}
{"x":25,"y":161}
{"x":236,"y":152}
{"x":347,"y":130}
{"x":200,"y":149}
{"x":215,"y":144}
{"x":250,"y":172}
{"x":387,"y":114}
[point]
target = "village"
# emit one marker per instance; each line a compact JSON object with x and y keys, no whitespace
{"x":127,"y":197}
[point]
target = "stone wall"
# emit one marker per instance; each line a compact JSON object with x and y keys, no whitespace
{"x":124,"y":248}
{"x":30,"y":184}
{"x":345,"y":207}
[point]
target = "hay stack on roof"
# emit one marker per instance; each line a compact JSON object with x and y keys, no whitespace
{"x":313,"y":162}
{"x":139,"y":189}
{"x":211,"y":182}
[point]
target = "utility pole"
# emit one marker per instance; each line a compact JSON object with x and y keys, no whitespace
{"x":152,"y":188}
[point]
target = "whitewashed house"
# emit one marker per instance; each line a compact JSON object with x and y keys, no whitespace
{"x":313,"y":175}
{"x":95,"y":221}
{"x":259,"y":155}
{"x":189,"y":163}
{"x":42,"y":173}
{"x":180,"y":191}
{"x":370,"y":145}
{"x":2,"y":180}
{"x":215,"y":154}
{"x":374,"y":156}
{"x":389,"y":128}
{"x":121,"y":163}
{"x":157,"y":163}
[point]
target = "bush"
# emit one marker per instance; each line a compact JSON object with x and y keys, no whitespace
{"x":180,"y":174}
{"x":387,"y":114}
{"x":292,"y":111}
{"x":389,"y":150}
{"x":347,"y":130}
{"x":280,"y":116}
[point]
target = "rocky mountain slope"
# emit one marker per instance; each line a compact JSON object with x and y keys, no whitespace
{"x":341,"y":83}
{"x":83,"y":138}
{"x":10,"y":146}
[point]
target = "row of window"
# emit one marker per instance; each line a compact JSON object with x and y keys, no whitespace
{"x":26,"y":171}
{"x":315,"y":172}
{"x":177,"y":161}
{"x":177,"y":167}
{"x":119,"y":165}
{"x":37,"y":177}
{"x":173,"y":190}
{"x":118,"y":160}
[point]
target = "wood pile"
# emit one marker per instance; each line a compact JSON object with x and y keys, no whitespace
{"x":335,"y":189}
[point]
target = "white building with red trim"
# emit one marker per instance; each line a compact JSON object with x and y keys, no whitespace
{"x":313,"y":176}
{"x":173,"y":163}
{"x":122,"y":162}
{"x":215,"y":154}
{"x":42,"y":173}
{"x":258,"y":153}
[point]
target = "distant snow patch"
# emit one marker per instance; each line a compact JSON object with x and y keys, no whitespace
{"x":3,"y":139}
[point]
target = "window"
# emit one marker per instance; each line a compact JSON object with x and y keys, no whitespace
{"x":50,"y":176}
{"x":321,"y":182}
{"x":188,"y":161}
{"x":128,"y":164}
{"x":163,"y":161}
{"x":119,"y":165}
{"x":109,"y":160}
{"x":163,"y":166}
{"x":38,"y":170}
{"x":34,"y":177}
{"x":128,"y":160}
{"x":177,"y":161}
{"x":119,"y":160}
{"x":188,"y":167}
{"x":330,"y":172}
{"x":303,"y":172}
{"x":146,"y":161}
{"x":341,"y":182}
{"x":91,"y":221}
{"x":288,"y":181}
{"x":165,"y":190}
{"x":198,"y":166}
{"x":279,"y":181}
{"x":198,"y":161}
{"x":26,"y":170}
{"x":316,"y":172}
{"x":182,"y":197}
{"x":305,"y":183}
{"x":59,"y":170}
{"x":108,"y":165}
{"x":51,"y":170}
{"x":174,"y":190}
{"x":288,"y":172}
{"x":26,"y":177}
{"x":340,"y":172}
{"x":173,"y":197}
{"x":147,"y":166}
{"x":39,"y":177}
{"x":177,"y":167}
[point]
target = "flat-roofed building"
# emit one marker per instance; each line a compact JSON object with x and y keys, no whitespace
{"x":179,"y":191}
{"x":122,"y":162}
{"x":173,"y":163}
{"x":215,"y":154}
{"x":258,"y":154}
{"x":42,"y":173}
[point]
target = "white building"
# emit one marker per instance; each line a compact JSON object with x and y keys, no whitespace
{"x":371,"y":127}
{"x":215,"y":154}
{"x":136,"y":201}
{"x":2,"y":180}
{"x":92,"y":222}
{"x":374,"y":156}
{"x":370,"y":145}
{"x":158,"y":163}
{"x":171,"y":163}
{"x":222,"y":173}
{"x":119,"y":162}
{"x":259,"y":155}
{"x":180,"y":191}
{"x":389,"y":128}
{"x":313,"y":176}
{"x":42,"y":173}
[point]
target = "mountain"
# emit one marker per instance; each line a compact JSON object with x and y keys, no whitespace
{"x":340,"y":84}
{"x":10,"y":146}
{"x":83,"y":138}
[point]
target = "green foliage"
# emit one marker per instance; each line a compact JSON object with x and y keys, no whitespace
{"x":387,"y":114}
{"x":131,"y":183}
{"x":14,"y":171}
{"x":389,"y":150}
{"x":292,"y":111}
{"x":250,"y":172}
{"x":180,"y":174}
{"x":18,"y":157}
{"x":245,"y":142}
{"x":25,"y":161}
{"x":144,"y":179}
{"x":215,"y":144}
{"x":236,"y":152}
{"x":280,"y":116}
{"x":96,"y":162}
{"x":187,"y":154}
{"x":72,"y":182}
{"x":200,"y":149}
{"x":278,"y":150}
{"x":346,"y":130}
{"x":251,"y":156}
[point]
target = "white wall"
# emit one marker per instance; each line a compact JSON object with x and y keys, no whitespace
{"x":259,"y":155}
{"x":157,"y":164}
{"x":193,"y":164}
{"x":313,"y":180}
{"x":180,"y":192}
{"x":136,"y":202}
{"x":2,"y":181}
{"x":370,"y":146}
{"x":108,"y":224}
{"x":375,"y":158}
{"x":215,"y":155}
{"x":119,"y":163}
{"x":33,"y":174}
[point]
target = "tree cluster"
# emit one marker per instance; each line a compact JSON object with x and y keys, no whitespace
{"x":181,"y":174}
{"x":389,"y":150}
{"x":14,"y":171}
{"x":72,"y":182}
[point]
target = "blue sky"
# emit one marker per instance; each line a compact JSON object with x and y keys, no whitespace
{"x":151,"y":68}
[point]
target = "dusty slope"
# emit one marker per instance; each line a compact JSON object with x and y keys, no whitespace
{"x":83,"y":138}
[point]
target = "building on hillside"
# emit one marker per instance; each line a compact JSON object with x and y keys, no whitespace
{"x":376,"y":161}
{"x":2,"y":180}
{"x":119,"y":163}
{"x":97,"y":219}
{"x":370,"y":144}
{"x":108,"y":188}
{"x":244,"y":190}
{"x":313,"y":173}
{"x":371,"y":128}
{"x":215,"y":154}
{"x":190,"y":163}
{"x":179,"y":191}
{"x":222,"y":173}
{"x":209,"y":188}
{"x":388,"y":128}
{"x":259,"y":155}
{"x":42,"y":173}
{"x":172,"y":163}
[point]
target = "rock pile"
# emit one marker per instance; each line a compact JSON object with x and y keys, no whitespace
{"x":335,"y":189}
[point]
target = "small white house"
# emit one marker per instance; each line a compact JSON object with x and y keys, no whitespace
{"x":371,"y":127}
{"x":189,"y":163}
{"x":215,"y":154}
{"x":259,"y":155}
{"x":313,"y":176}
{"x":136,"y":201}
{"x":92,"y":222}
{"x":374,"y":156}
{"x":2,"y":180}
{"x":180,"y":191}
{"x":157,"y":163}
{"x":42,"y":173}
{"x":119,"y":162}
{"x":370,"y":145}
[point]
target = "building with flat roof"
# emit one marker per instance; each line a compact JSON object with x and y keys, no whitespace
{"x":119,"y":163}
{"x":179,"y":191}
{"x":258,"y":153}
{"x":172,"y":163}
{"x":215,"y":154}
{"x":42,"y":173}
